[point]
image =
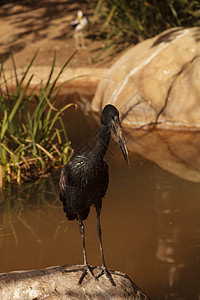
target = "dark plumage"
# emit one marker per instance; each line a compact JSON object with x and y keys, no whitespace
{"x":84,"y":181}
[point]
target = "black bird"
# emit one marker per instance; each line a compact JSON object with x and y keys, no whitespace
{"x":84,"y":181}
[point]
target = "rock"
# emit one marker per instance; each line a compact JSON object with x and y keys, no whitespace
{"x":159,"y":76}
{"x":52,"y":284}
{"x":155,"y":85}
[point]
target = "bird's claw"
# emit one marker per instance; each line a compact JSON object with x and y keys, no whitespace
{"x":87,"y":268}
{"x":108,"y":275}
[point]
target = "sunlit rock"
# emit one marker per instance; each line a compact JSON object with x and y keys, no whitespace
{"x":158,"y":76}
{"x":52,"y":283}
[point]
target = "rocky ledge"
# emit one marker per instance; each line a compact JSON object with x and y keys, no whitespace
{"x":54,"y":284}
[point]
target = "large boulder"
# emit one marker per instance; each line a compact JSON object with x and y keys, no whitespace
{"x":53,"y":284}
{"x":156,"y":85}
{"x":161,"y":76}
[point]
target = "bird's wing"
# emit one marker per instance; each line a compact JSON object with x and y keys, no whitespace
{"x":67,"y":193}
{"x":74,"y":22}
{"x":103,"y":179}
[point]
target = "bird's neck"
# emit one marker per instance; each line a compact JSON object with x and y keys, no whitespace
{"x":102,"y":142}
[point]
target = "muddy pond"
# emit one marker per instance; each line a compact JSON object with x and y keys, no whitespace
{"x":150,"y":222}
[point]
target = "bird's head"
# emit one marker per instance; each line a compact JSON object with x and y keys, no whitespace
{"x":110,"y":118}
{"x":79,"y":15}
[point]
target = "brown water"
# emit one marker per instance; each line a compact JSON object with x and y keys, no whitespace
{"x":150,"y":223}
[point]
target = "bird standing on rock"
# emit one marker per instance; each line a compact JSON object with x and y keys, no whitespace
{"x":84,"y":181}
{"x":80,"y":24}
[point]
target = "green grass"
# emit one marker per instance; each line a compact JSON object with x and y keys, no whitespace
{"x":33,"y":139}
{"x":127,"y":22}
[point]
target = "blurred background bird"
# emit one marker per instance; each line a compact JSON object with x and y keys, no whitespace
{"x":80,"y":25}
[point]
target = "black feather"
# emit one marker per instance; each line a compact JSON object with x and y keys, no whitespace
{"x":84,"y":181}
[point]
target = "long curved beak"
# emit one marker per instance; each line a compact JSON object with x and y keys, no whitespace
{"x":116,"y":127}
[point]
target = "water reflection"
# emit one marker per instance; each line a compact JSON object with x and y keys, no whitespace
{"x":178,"y":237}
{"x":174,"y":151}
{"x":15,"y":200}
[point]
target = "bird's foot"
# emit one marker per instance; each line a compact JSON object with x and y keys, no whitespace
{"x":87,"y":269}
{"x":105,"y":271}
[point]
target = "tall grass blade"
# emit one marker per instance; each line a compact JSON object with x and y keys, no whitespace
{"x":19,"y":100}
{"x":60,"y":72}
{"x":51,"y":72}
{"x":15,"y":70}
{"x":3,"y":125}
{"x":58,"y":113}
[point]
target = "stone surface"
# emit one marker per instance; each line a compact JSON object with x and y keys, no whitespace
{"x":53,"y":284}
{"x":159,"y":76}
{"x":156,"y":85}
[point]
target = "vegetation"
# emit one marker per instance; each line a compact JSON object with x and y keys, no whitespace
{"x":33,"y":138}
{"x":126,"y":22}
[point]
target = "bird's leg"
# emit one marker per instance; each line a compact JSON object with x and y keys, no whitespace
{"x":76,"y":37}
{"x":82,"y":38}
{"x":87,"y":268}
{"x":82,"y":232}
{"x":104,"y":268}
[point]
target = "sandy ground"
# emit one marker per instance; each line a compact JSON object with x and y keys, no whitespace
{"x":44,"y":27}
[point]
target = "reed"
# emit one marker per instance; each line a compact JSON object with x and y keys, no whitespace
{"x":33,"y":139}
